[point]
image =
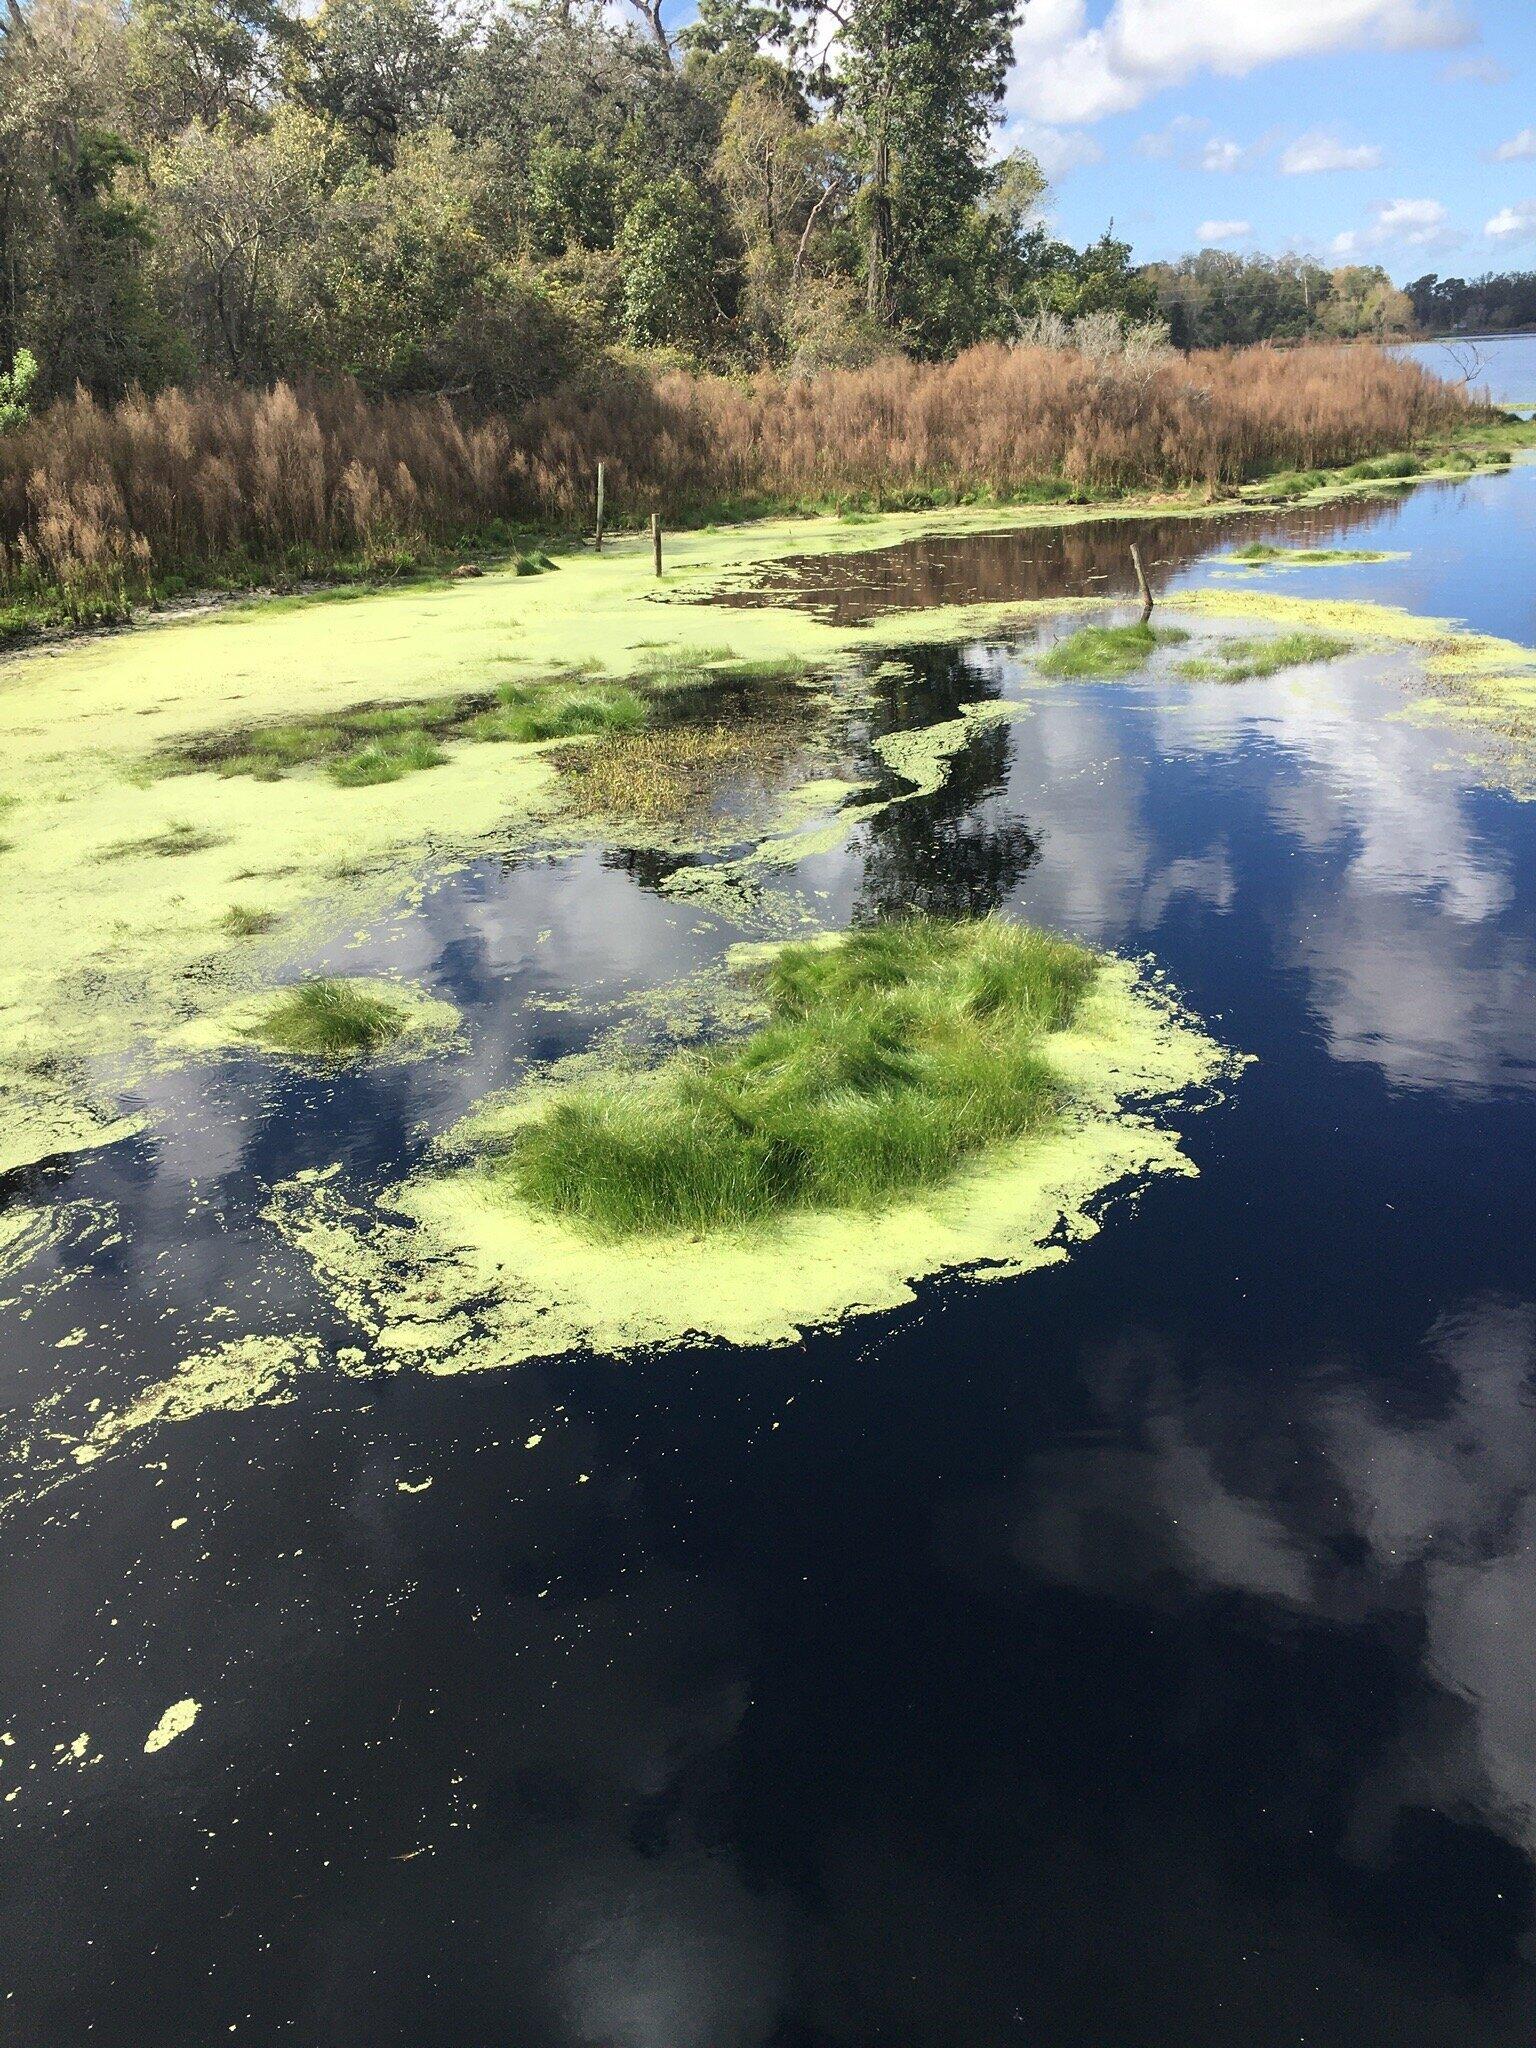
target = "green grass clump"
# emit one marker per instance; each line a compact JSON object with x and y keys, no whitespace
{"x":170,"y":844}
{"x":541,"y":711}
{"x":242,"y":922}
{"x":1237,"y":661}
{"x":386,"y":759}
{"x":888,"y":1060}
{"x":1265,"y":551}
{"x":331,"y":1021}
{"x":1107,"y":651}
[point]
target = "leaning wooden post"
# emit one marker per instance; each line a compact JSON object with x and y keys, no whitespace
{"x":1142,"y":584}
{"x":656,"y":540}
{"x":599,"y":508}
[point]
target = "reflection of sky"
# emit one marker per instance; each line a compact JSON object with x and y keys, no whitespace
{"x":869,"y":1690}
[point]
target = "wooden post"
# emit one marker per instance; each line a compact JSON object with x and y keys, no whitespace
{"x":656,"y":540}
{"x":599,"y":508}
{"x":1142,"y":584}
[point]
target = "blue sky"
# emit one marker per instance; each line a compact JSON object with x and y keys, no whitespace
{"x":1400,"y":132}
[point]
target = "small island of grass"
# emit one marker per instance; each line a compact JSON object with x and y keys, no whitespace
{"x":1241,"y":660}
{"x":1105,"y":652}
{"x":885,"y":1062}
{"x":327,"y":1021}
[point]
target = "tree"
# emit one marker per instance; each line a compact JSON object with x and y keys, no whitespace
{"x":16,"y":388}
{"x":668,"y":258}
{"x":920,"y":82}
{"x":385,"y":67}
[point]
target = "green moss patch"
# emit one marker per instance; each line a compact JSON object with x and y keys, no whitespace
{"x":885,"y":1062}
{"x":1105,"y":652}
{"x":1240,"y":660}
{"x":1263,"y":552}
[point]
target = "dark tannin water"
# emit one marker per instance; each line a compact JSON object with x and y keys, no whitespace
{"x":1135,"y":1655}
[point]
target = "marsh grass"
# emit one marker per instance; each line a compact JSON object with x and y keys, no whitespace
{"x":670,"y":776}
{"x":241,"y":921}
{"x":172,"y":843}
{"x":328,"y":1021}
{"x":1108,"y":651}
{"x":1239,"y":661}
{"x":380,"y":743}
{"x":528,"y":712}
{"x":887,"y":1062}
{"x":1266,"y":551}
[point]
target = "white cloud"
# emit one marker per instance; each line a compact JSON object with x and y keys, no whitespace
{"x":1474,"y":71}
{"x":1212,"y":231}
{"x":1510,"y":223}
{"x":1164,"y":143}
{"x":1056,"y":150}
{"x":1316,"y":151}
{"x":1220,"y":155}
{"x":1517,"y":148}
{"x":1411,"y":223}
{"x":1070,"y":73}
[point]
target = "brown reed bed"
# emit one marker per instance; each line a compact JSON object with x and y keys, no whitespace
{"x":104,"y":506}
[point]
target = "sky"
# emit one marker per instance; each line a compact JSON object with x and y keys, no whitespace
{"x":1399,"y":132}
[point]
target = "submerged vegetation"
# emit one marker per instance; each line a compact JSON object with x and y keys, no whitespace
{"x":1263,"y":551}
{"x":887,"y":1060}
{"x":1108,"y":651}
{"x":330,"y":1021}
{"x":380,"y":744}
{"x":1240,"y":660}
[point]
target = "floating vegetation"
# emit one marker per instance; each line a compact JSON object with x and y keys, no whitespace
{"x":172,"y":843}
{"x":528,"y":712}
{"x":1263,"y":551}
{"x":1240,"y":660}
{"x":381,"y":743}
{"x":1105,"y":652}
{"x":885,"y":1062}
{"x":328,"y":1021}
{"x":387,"y":759}
{"x":241,"y":921}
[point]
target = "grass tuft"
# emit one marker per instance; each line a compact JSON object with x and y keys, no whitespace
{"x":170,"y":844}
{"x":527,"y":712}
{"x":386,"y":759}
{"x":242,"y":922}
{"x":330,"y":1021}
{"x":887,"y":1062}
{"x":1108,"y":650}
{"x":1238,"y":661}
{"x":1266,"y":551}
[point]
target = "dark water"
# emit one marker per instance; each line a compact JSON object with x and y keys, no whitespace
{"x":1138,"y":1655}
{"x":1467,"y":548}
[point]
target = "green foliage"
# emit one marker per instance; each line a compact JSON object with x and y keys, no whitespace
{"x":888,"y":1061}
{"x":666,"y":248}
{"x":327,"y":1021}
{"x":241,"y":921}
{"x":1238,"y":661}
{"x":1108,"y":651}
{"x":16,"y":388}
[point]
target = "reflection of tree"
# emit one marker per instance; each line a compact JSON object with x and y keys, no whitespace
{"x":944,"y":853}
{"x":1084,"y":558}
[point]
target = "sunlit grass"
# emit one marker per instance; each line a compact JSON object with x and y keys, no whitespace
{"x":241,"y":921}
{"x":1238,"y":661}
{"x":1266,"y":551}
{"x":329,"y":1021}
{"x":1108,"y":651}
{"x":888,"y":1060}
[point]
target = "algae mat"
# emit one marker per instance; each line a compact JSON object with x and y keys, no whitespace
{"x":124,"y":892}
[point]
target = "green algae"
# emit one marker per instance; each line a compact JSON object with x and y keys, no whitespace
{"x":108,"y":947}
{"x":247,"y":1372}
{"x":1241,"y":659}
{"x":1106,"y":653}
{"x":883,"y":1064}
{"x":1263,"y":554}
{"x":329,"y":1020}
{"x":465,"y":1280}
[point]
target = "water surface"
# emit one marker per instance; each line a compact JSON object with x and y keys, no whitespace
{"x":1137,"y":1654}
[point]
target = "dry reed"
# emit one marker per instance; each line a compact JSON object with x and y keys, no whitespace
{"x":100,"y":505}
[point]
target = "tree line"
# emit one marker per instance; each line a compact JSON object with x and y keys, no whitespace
{"x":475,"y":196}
